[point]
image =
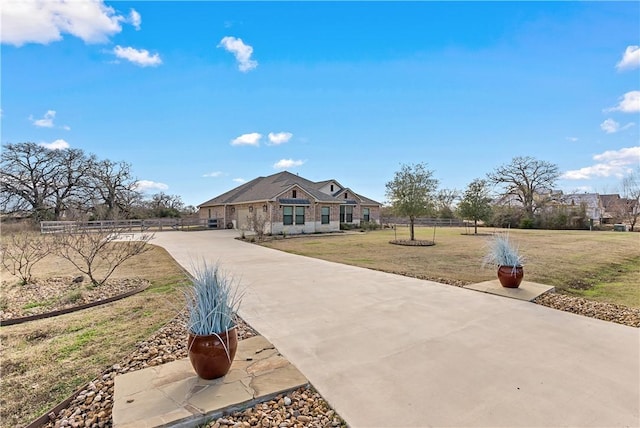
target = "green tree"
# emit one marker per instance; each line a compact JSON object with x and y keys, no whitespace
{"x":476,"y":203}
{"x":411,"y":192}
{"x":525,"y":179}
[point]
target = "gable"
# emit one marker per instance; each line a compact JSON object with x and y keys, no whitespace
{"x":282,"y":185}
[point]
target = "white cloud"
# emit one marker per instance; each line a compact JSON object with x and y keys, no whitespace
{"x":287,"y":163}
{"x":147,"y":185}
{"x":213,"y":174}
{"x":572,"y":139}
{"x":139,"y":57}
{"x":629,"y":103}
{"x":252,"y":139}
{"x":241,"y":51}
{"x":630,"y":58}
{"x":615,"y":163}
{"x":610,"y":126}
{"x":45,"y":21}
{"x":66,"y":128}
{"x":56,"y":145}
{"x":46,"y":121}
{"x":240,"y":180}
{"x":279,"y":137}
{"x":135,"y":19}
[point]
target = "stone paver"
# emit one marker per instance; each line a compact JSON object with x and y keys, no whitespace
{"x":391,"y":351}
{"x":172,"y":395}
{"x":527,"y":291}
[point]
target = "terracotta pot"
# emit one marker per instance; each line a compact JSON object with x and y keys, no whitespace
{"x":509,"y":277}
{"x":211,"y":356}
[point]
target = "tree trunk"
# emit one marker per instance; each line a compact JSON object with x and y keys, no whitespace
{"x":475,"y":225}
{"x":413,"y":236}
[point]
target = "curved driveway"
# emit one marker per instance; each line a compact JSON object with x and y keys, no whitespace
{"x":387,"y":350}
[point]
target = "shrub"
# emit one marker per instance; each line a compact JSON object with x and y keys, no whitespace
{"x":22,"y":249}
{"x":369,"y":225}
{"x":98,"y":253}
{"x":348,"y":226}
{"x":526,"y":223}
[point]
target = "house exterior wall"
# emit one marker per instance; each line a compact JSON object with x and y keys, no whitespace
{"x":374,"y":213}
{"x":334,"y":217}
{"x":327,"y":188}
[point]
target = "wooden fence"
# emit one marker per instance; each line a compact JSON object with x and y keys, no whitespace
{"x":426,"y":221}
{"x":130,"y":225}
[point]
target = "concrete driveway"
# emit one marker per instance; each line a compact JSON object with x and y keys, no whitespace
{"x":391,"y":351}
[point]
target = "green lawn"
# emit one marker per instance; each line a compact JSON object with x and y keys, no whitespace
{"x":597,"y":265}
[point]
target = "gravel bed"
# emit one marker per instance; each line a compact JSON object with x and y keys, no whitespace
{"x":301,"y":408}
{"x":51,"y":294}
{"x":590,"y":308}
{"x":92,"y":406}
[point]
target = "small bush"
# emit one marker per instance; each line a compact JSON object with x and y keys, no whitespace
{"x":348,"y":226}
{"x":369,"y":225}
{"x":526,"y":223}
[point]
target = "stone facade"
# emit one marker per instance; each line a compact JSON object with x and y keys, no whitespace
{"x":269,"y":197}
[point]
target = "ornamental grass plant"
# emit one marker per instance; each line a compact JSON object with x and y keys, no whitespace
{"x":213,"y":300}
{"x":502,"y":252}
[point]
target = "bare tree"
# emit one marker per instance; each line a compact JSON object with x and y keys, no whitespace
{"x":257,"y":223}
{"x":630,"y":201}
{"x":73,"y":169}
{"x":22,"y":249}
{"x":27,"y":176}
{"x":444,"y":202}
{"x":164,"y":205}
{"x":112,"y":189}
{"x":411,"y":192}
{"x":524,"y":179}
{"x":98,"y":253}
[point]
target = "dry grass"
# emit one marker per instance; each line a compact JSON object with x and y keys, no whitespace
{"x":44,"y":361}
{"x":602,"y":266}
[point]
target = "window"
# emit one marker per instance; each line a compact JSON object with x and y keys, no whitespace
{"x":287,"y":215}
{"x":325,"y":215}
{"x":365,"y":214}
{"x":346,"y":195}
{"x":346,"y":213}
{"x":332,"y":187}
{"x":209,"y":212}
{"x":295,"y":194}
{"x":299,"y":215}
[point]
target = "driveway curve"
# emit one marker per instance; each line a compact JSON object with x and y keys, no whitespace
{"x":390,"y":351}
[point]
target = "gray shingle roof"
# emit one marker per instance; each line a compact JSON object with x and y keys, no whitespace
{"x":268,"y":188}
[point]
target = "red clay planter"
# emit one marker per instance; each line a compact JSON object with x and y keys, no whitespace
{"x":510,"y":277}
{"x":211,"y":356}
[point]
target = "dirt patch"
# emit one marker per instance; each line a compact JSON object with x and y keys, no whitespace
{"x":52,"y":294}
{"x":579,"y":284}
{"x":410,"y":243}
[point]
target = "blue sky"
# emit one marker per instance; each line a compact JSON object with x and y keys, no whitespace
{"x":199,"y":96}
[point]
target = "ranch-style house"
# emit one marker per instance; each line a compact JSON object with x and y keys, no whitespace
{"x":288,"y":203}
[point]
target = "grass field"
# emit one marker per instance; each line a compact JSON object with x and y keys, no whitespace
{"x":44,"y":361}
{"x":602,"y":266}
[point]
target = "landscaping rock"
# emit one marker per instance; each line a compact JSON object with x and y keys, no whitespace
{"x":590,"y":308}
{"x":93,"y":405}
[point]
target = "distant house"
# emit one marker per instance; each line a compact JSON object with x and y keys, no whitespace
{"x":591,"y":202}
{"x":288,"y":203}
{"x":611,"y":206}
{"x":617,"y":209}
